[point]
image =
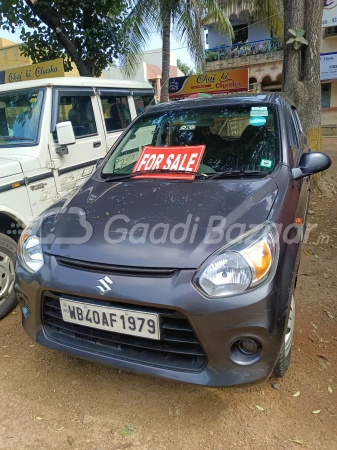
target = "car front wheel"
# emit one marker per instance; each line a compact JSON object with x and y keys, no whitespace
{"x":8,"y":300}
{"x":283,"y":361}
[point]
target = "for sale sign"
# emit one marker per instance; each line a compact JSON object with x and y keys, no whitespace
{"x":181,"y":159}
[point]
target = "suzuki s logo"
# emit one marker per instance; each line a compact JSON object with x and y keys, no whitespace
{"x":104,"y":287}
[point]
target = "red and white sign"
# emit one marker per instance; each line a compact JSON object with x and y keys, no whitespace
{"x":186,"y":159}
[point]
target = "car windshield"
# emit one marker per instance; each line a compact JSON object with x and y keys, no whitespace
{"x":237,"y":138}
{"x":20,"y":113}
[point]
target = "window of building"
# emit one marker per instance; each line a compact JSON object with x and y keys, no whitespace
{"x":79,"y":111}
{"x":240,"y":33}
{"x":326,"y":95}
{"x":330,"y":31}
{"x":116,"y":111}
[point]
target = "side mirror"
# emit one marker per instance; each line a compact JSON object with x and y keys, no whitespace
{"x":65,"y":133}
{"x":310,"y":163}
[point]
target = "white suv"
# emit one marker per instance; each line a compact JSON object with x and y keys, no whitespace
{"x":52,"y":133}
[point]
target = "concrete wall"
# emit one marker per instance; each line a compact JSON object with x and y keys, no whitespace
{"x":216,"y":38}
{"x":117,"y":74}
{"x":329,"y":45}
{"x":10,"y":55}
{"x":329,"y":115}
{"x":258,"y":32}
{"x":155,"y":57}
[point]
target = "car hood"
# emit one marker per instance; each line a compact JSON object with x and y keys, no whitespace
{"x":16,"y":164}
{"x":157,"y":224}
{"x":9,"y":167}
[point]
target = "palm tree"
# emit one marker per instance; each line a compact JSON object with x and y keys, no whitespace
{"x":185,"y":18}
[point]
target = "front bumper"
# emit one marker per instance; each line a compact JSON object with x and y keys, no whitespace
{"x":217,"y":324}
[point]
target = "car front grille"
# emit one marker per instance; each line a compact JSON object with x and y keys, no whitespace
{"x":178,"y":348}
{"x":117,"y":270}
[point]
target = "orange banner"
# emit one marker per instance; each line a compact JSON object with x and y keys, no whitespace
{"x":218,"y":82}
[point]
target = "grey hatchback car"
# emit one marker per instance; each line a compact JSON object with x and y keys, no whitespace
{"x":186,"y":270}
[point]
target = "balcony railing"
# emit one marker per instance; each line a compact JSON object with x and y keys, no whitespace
{"x":244,"y":49}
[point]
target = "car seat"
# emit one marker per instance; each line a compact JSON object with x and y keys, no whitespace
{"x":81,"y":119}
{"x":255,"y":144}
{"x":114,"y":121}
{"x":218,"y":155}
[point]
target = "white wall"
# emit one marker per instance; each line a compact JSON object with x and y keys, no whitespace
{"x":117,"y":74}
{"x":155,"y":57}
{"x":258,"y":32}
{"x":216,"y":38}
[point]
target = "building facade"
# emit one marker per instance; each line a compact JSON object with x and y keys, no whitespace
{"x":148,"y":69}
{"x":11,"y":57}
{"x":256,"y":47}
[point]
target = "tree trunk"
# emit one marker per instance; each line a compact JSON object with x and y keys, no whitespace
{"x":311,"y":75}
{"x":166,"y":57}
{"x":301,"y":68}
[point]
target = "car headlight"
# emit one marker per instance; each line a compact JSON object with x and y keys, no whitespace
{"x":30,"y":251}
{"x":241,"y":265}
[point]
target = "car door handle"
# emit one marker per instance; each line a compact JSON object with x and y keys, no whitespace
{"x":38,"y":186}
{"x":97,"y":144}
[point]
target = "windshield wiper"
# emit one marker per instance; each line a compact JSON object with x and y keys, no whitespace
{"x":127,"y":176}
{"x":17,"y":138}
{"x":238,"y":173}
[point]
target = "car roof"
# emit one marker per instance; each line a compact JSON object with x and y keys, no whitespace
{"x":224,"y":99}
{"x":77,"y":82}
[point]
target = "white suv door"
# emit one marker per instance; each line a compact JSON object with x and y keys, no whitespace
{"x":76,"y":162}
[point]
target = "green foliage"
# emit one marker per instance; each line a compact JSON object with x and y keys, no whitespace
{"x":298,"y":40}
{"x":187,"y":18}
{"x":128,"y":430}
{"x":89,"y":33}
{"x":186,"y":70}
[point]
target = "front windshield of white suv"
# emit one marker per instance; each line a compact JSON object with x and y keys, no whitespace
{"x":20,"y":115}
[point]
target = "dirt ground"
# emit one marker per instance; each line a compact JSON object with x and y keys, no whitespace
{"x":52,"y":401}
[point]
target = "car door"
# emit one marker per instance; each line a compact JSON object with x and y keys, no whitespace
{"x":76,"y":162}
{"x":297,"y":147}
{"x":306,"y":182}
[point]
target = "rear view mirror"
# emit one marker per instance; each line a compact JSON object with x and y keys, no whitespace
{"x":65,"y":133}
{"x":311,"y":163}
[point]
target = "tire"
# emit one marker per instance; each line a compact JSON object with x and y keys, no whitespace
{"x":283,"y":361}
{"x":8,"y":300}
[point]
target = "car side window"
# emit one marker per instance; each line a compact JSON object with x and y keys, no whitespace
{"x":298,"y":121}
{"x":116,"y":111}
{"x":293,"y":135}
{"x":79,"y":111}
{"x":142,"y":101}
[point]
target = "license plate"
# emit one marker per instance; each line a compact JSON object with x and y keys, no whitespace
{"x":107,"y":318}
